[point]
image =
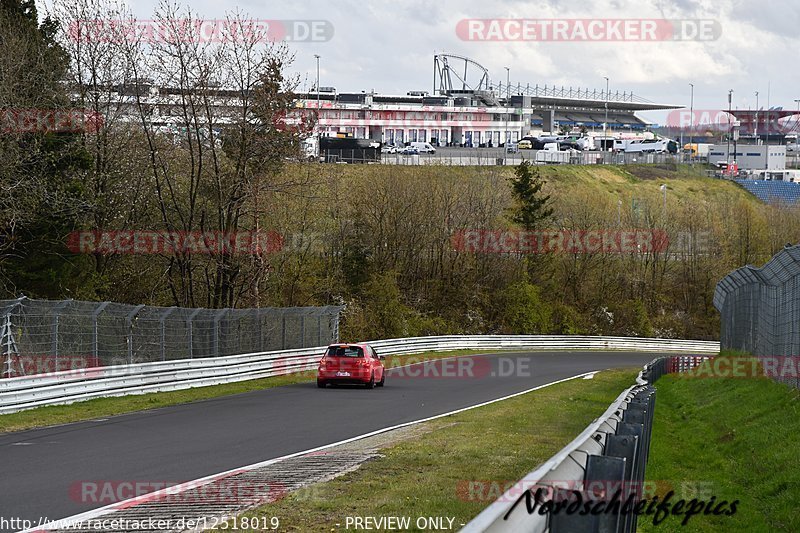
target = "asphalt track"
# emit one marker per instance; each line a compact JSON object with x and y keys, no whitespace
{"x":185,"y":442}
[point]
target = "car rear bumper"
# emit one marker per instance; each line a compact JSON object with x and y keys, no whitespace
{"x":354,"y":377}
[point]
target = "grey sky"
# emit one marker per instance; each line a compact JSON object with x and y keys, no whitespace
{"x":388,"y":46}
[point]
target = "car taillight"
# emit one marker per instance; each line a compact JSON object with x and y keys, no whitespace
{"x":322,"y":364}
{"x":364,"y":362}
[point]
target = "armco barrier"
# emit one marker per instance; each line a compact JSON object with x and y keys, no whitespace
{"x":68,"y":386}
{"x":610,"y":455}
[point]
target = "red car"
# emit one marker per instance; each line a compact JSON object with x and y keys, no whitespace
{"x":351,"y":363}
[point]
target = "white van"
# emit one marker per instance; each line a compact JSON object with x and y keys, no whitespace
{"x":423,"y":147}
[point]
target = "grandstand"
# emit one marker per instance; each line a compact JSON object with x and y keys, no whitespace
{"x":773,"y":192}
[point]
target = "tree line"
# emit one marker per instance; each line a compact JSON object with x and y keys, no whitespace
{"x":203,"y":137}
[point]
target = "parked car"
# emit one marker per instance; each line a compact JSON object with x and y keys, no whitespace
{"x":389,"y":149}
{"x":353,"y":364}
{"x":409,"y":150}
{"x":525,"y":144}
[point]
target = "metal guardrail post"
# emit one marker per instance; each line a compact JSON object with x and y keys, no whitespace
{"x":95,"y":330}
{"x":161,"y":321}
{"x":627,"y":447}
{"x":190,"y":327}
{"x":129,"y":328}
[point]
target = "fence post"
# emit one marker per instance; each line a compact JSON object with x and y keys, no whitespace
{"x":190,"y":325}
{"x":302,"y":330}
{"x":161,"y":321}
{"x":10,"y":344}
{"x":283,"y":330}
{"x":335,"y":325}
{"x":217,"y":317}
{"x":129,"y":327}
{"x":95,"y":341}
{"x":259,"y":311}
{"x":54,"y":340}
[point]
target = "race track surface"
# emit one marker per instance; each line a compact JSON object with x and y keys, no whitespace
{"x":186,"y":442}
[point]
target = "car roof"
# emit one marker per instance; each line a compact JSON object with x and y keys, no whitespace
{"x":346,"y":344}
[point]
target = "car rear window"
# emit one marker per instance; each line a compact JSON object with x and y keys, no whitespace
{"x":345,"y":351}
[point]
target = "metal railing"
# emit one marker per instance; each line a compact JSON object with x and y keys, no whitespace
{"x":496,"y":156}
{"x":760,"y":309}
{"x":73,"y":385}
{"x":42,"y":336}
{"x":554,"y":91}
{"x":608,"y":456}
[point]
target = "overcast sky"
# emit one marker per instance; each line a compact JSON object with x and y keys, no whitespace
{"x":388,"y":46}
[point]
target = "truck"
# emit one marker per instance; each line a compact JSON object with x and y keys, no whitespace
{"x":698,"y":150}
{"x":552,"y":155}
{"x":643,"y":146}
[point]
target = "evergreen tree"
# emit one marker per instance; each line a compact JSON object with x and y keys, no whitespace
{"x":532,"y":206}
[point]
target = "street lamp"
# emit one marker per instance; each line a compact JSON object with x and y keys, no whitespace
{"x":319,"y":114}
{"x":755,"y":129}
{"x":797,"y":116}
{"x":691,"y":121}
{"x":605,"y":123}
{"x":730,"y":97}
{"x":508,"y":99}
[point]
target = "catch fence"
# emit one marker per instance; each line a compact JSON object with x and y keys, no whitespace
{"x":41,"y":336}
{"x":760,"y":309}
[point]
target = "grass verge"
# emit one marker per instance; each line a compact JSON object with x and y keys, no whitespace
{"x":732,"y":438}
{"x":429,"y":476}
{"x":105,"y":407}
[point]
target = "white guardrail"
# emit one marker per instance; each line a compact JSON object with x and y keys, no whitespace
{"x":569,"y":467}
{"x":68,"y":386}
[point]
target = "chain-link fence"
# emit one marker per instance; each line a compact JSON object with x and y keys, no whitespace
{"x":760,"y":311}
{"x":40,"y":336}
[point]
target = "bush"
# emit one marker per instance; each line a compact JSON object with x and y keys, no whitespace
{"x":522,"y":310}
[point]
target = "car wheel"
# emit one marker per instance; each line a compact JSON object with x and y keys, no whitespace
{"x":371,"y":383}
{"x":382,"y":381}
{"x":320,"y":384}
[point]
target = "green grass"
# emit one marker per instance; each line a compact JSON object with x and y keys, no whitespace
{"x":105,"y":407}
{"x":736,"y":439}
{"x":429,"y":475}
